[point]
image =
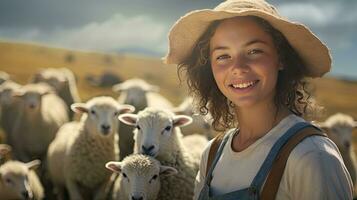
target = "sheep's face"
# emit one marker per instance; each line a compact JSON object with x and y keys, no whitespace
{"x":101,"y":114}
{"x":341,"y":135}
{"x":103,"y":119}
{"x":53,"y":77}
{"x":14,"y":177}
{"x":17,"y":184}
{"x":135,"y":96}
{"x":6,"y":97}
{"x":155,"y":130}
{"x":140,"y":176}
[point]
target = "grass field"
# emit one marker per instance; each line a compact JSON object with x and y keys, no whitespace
{"x":21,"y":61}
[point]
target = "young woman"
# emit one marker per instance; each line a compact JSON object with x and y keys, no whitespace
{"x":247,"y":64}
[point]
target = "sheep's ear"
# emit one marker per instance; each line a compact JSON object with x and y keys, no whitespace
{"x":167,"y":171}
{"x":153,"y":88}
{"x":4,"y":149}
{"x":114,"y":166}
{"x":79,"y":108}
{"x":37,"y":77}
{"x":33,"y":164}
{"x":355,"y":124}
{"x":129,"y":119}
{"x":18,"y":93}
{"x":182,"y":120}
{"x":126,"y":108}
{"x":118,"y":87}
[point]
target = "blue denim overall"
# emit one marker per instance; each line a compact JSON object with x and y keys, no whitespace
{"x":252,"y":192}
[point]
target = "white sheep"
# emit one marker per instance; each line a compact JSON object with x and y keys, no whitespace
{"x":9,"y":109}
{"x":63,"y":80}
{"x":19,"y":181}
{"x":41,"y":113}
{"x":140,"y":94}
{"x":4,"y":77}
{"x":139,"y":177}
{"x":158,"y":134}
{"x":77,"y":156}
{"x":200,"y":124}
{"x":339,"y":129}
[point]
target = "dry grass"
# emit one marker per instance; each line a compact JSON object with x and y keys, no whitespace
{"x":21,"y":61}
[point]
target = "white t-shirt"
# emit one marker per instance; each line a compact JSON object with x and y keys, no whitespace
{"x":314,"y":170}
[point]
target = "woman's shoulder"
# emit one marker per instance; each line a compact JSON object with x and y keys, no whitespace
{"x":315,"y":146}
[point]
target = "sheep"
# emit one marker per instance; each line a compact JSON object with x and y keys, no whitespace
{"x":19,"y":181}
{"x":63,"y":80}
{"x":200,"y":124}
{"x":77,"y":156}
{"x":140,"y":94}
{"x":42,"y":112}
{"x":158,"y":134}
{"x":139,"y":177}
{"x":9,"y":108}
{"x":339,"y":129}
{"x":106,"y":79}
{"x":4,"y":77}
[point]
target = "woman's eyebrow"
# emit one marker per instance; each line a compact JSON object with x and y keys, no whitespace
{"x":255,"y":41}
{"x":219,"y":48}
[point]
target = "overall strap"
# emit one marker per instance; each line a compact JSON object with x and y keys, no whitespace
{"x":216,"y":149}
{"x":213,"y":150}
{"x":264,"y":170}
{"x":272,"y":183}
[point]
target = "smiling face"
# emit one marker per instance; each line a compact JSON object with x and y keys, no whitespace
{"x":244,"y":62}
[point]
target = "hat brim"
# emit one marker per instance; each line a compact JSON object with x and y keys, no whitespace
{"x":188,"y":29}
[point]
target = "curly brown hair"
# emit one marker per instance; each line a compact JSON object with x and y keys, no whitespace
{"x":291,"y":88}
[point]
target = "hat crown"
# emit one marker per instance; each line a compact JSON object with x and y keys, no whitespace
{"x":243,"y":5}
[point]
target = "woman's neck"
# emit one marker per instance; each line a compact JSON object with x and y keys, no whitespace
{"x":255,"y":122}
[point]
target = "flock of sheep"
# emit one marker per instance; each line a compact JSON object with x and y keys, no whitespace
{"x":138,"y":147}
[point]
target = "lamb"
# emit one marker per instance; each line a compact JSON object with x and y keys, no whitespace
{"x":200,"y":124}
{"x":140,"y":94}
{"x":63,"y":80}
{"x":158,"y":134}
{"x":139,"y":177}
{"x":9,"y":109}
{"x":4,"y":77}
{"x":41,"y":114}
{"x":19,"y":181}
{"x":339,"y":129}
{"x":77,"y":156}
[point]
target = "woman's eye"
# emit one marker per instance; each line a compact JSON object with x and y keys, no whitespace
{"x":254,"y":51}
{"x":222,"y":57}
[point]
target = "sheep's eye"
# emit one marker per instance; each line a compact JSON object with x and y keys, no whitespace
{"x":154,"y":177}
{"x":8,"y":180}
{"x":168,"y":128}
{"x":92,"y":112}
{"x":125,"y":176}
{"x":116,"y":113}
{"x":138,"y":127}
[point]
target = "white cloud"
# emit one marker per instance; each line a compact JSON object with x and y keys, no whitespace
{"x":311,"y":14}
{"x":118,"y":32}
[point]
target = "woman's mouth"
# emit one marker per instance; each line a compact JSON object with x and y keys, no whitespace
{"x":244,"y":85}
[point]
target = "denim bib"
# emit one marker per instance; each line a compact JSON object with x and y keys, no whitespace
{"x":252,"y":192}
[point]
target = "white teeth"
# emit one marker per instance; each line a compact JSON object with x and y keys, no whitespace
{"x":243,"y":85}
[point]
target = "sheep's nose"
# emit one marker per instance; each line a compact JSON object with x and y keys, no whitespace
{"x":136,"y":198}
{"x":147,"y":150}
{"x":347,"y":144}
{"x":25,"y":195}
{"x":105,"y":128}
{"x":32,"y":106}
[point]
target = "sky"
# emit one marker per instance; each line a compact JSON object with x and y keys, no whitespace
{"x":141,"y":26}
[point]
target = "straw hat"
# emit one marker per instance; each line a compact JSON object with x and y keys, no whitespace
{"x":188,"y":29}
